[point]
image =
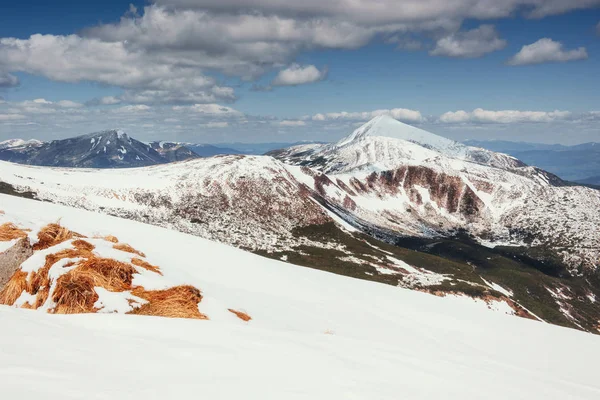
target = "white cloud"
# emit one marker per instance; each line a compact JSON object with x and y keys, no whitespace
{"x":385,"y":11}
{"x":546,"y":50}
{"x":291,"y":123}
{"x":133,"y":108}
{"x":166,"y":53}
{"x":8,"y":80}
{"x":401,"y":114}
{"x":69,"y":104}
{"x":296,"y":74}
{"x":104,"y":101}
{"x":480,"y":115}
{"x":11,"y":117}
{"x":220,"y":125}
{"x":469,"y":44}
{"x":145,"y":77}
{"x":215,"y":110}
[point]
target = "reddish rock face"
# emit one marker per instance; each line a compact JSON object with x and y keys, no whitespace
{"x":447,"y":191}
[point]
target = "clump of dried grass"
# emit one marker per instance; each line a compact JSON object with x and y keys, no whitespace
{"x":111,"y":239}
{"x":10,"y":232}
{"x":127,"y":248}
{"x":13,"y":289}
{"x":53,"y":234}
{"x":80,"y":244}
{"x":74,"y":294}
{"x":110,"y":274}
{"x":241,"y":315}
{"x":176,"y":302}
{"x":146,"y":265}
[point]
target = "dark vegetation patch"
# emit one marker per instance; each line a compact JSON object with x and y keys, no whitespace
{"x":10,"y":190}
{"x":463,"y":260}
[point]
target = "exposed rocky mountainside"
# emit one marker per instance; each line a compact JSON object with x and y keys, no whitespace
{"x":107,"y":149}
{"x":173,"y":152}
{"x":414,"y":211}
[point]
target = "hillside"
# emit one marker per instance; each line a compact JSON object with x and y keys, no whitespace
{"x":431,"y":223}
{"x":304,"y":323}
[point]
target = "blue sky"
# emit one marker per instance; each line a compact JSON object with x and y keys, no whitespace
{"x":260,"y":70}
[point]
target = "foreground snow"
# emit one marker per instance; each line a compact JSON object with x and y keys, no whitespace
{"x":313,"y":335}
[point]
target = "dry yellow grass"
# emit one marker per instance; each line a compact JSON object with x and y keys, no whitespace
{"x":80,"y":244}
{"x":111,"y":239}
{"x":13,"y":289}
{"x":127,"y":248}
{"x":53,"y":234}
{"x":74,"y":294}
{"x":10,"y":232}
{"x":74,"y":290}
{"x":176,"y":302}
{"x":146,"y":265}
{"x":241,"y":315}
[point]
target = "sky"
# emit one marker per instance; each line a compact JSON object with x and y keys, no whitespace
{"x":218,"y":71}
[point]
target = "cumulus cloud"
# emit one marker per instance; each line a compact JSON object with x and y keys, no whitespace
{"x":11,"y":117}
{"x":138,"y":108}
{"x":546,"y":50}
{"x":382,"y":11}
{"x":296,"y":74}
{"x":469,"y":44}
{"x":215,"y":110}
{"x":480,"y":115}
{"x":8,"y":80}
{"x":401,"y":114}
{"x":145,"y":77}
{"x":291,"y":123}
{"x":216,"y":125}
{"x":104,"y":101}
{"x":167,"y":52}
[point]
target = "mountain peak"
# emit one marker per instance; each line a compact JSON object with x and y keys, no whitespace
{"x":387,"y":126}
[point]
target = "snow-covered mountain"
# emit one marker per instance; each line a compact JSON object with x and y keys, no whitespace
{"x":106,"y":149}
{"x":342,"y":337}
{"x":447,"y":220}
{"x":397,"y":177}
{"x":172,"y":151}
{"x":12,"y":143}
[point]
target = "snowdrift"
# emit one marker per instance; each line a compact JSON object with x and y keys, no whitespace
{"x":313,"y":335}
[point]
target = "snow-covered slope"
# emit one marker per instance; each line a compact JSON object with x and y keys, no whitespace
{"x":251,"y":202}
{"x":310,"y":335}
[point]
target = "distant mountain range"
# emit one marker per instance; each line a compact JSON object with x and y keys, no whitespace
{"x":115,"y":149}
{"x":579,"y":163}
{"x":106,"y":149}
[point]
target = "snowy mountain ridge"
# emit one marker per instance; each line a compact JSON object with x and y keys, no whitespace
{"x":105,"y":149}
{"x":321,"y":206}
